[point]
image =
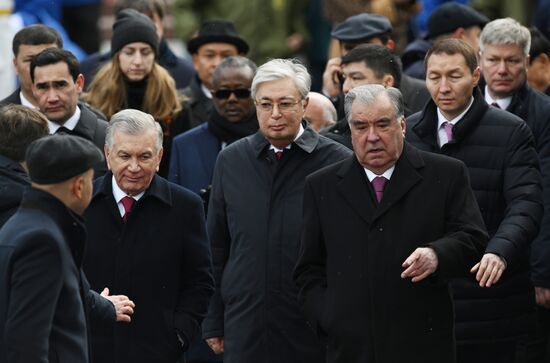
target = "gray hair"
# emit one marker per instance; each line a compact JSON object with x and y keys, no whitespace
{"x":277,"y":69}
{"x":236,"y":61}
{"x":132,"y":122}
{"x":367,"y":94}
{"x":505,"y":31}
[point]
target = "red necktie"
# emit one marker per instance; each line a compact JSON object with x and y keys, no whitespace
{"x":128,"y":204}
{"x":278,"y":155}
{"x":379,"y":183}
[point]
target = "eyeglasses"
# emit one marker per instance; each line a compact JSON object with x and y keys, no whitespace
{"x":224,"y":94}
{"x":283,"y":105}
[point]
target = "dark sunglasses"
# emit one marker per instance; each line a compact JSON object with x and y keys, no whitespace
{"x":226,"y":93}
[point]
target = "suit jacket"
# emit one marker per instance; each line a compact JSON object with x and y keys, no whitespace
{"x":44,"y":295}
{"x":352,"y":251}
{"x":193,"y":158}
{"x":14,"y":98}
{"x":199,"y":106}
{"x":160,"y":258}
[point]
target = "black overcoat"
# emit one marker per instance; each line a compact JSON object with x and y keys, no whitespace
{"x":254,"y":220}
{"x":160,"y":258}
{"x":350,"y":263}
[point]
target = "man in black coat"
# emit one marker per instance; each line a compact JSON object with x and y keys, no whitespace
{"x":57,"y":84}
{"x":382,"y":233}
{"x":499,"y":151}
{"x":180,"y":69}
{"x":147,"y":238}
{"x":254,"y":220}
{"x":19,"y":126}
{"x":504,"y":60}
{"x":44,"y":296}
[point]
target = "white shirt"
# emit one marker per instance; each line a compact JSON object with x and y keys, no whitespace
{"x":502,"y":103}
{"x":26,"y":102}
{"x":387,"y":174}
{"x":118,"y":194}
{"x":206,"y":91}
{"x":300,"y":132}
{"x":441,"y":134}
{"x":69,"y":124}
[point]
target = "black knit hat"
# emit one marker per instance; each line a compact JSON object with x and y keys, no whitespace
{"x":217,"y":31}
{"x":132,"y":26}
{"x":54,"y":159}
{"x":450,"y":16}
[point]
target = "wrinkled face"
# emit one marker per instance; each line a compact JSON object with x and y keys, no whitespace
{"x":56,"y":92}
{"x":376,"y":134}
{"x":134,"y":160}
{"x":280,"y":110}
{"x":230,"y":94}
{"x":22,"y":63}
{"x":136,"y":60}
{"x":504,"y":68}
{"x":450,"y":83}
{"x":208,"y":56}
{"x":358,"y":74}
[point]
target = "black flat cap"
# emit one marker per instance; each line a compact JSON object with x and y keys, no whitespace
{"x":450,"y":16}
{"x":361,"y":26}
{"x":217,"y":31}
{"x":54,"y":159}
{"x":131,"y":26}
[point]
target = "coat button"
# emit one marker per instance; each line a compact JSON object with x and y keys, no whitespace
{"x":381,"y":229}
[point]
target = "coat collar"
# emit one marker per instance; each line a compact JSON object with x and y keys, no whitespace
{"x":357,"y":191}
{"x":158,"y":189}
{"x":426,"y":128}
{"x":307,"y":141}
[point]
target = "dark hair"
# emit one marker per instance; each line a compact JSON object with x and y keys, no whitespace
{"x":147,"y":7}
{"x":234,"y":62}
{"x":36,"y":34}
{"x":539,"y":44}
{"x":19,"y":127}
{"x":55,"y":55}
{"x":453,"y":46}
{"x":378,"y":58}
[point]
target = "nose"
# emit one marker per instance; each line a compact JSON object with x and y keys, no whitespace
{"x":444,"y":85}
{"x":232,"y":97}
{"x":346,"y":87}
{"x":372,"y":134}
{"x":502,"y":67}
{"x":52,"y":95}
{"x":276,"y":112}
{"x":137,"y":58}
{"x":217,"y":60}
{"x":133,"y":165}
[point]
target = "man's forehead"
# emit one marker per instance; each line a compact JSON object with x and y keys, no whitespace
{"x":52,"y":72}
{"x":503,"y":49}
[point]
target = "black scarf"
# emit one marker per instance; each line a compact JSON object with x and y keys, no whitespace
{"x":135,"y":93}
{"x":228,"y":131}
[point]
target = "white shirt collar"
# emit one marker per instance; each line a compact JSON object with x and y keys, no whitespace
{"x":26,"y":102}
{"x":503,"y":103}
{"x":441,"y":134}
{"x":387,"y":174}
{"x":118,"y":194}
{"x":206,"y":91}
{"x":69,"y":124}
{"x":300,"y":132}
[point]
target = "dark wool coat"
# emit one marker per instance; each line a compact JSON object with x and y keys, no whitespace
{"x":254,"y":221}
{"x":498,"y":149}
{"x":44,"y":295}
{"x":160,"y":259}
{"x":350,"y":263}
{"x":13,"y":181}
{"x":199,"y":107}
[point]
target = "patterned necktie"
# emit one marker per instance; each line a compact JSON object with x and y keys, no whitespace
{"x":278,"y":155}
{"x":379,"y":183}
{"x":448,"y":127}
{"x":128,"y":204}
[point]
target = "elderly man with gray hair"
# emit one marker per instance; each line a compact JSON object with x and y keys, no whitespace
{"x":504,"y":60}
{"x":383,"y":231}
{"x":147,"y":237}
{"x":254,"y":220}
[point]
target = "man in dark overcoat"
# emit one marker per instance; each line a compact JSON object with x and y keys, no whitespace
{"x":147,"y":238}
{"x":382,"y":233}
{"x":45,"y":298}
{"x":254,"y":220}
{"x":499,"y":151}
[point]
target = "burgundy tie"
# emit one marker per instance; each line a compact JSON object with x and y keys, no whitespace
{"x":278,"y":155}
{"x":379,"y":183}
{"x":495,"y":105}
{"x":128,"y":204}
{"x":448,"y":127}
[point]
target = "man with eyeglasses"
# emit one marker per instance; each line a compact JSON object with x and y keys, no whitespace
{"x":254,"y":221}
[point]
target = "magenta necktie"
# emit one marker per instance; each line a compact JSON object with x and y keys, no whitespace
{"x":128,"y":204}
{"x":379,"y":183}
{"x":448,"y":127}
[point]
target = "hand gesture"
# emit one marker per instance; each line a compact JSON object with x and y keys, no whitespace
{"x":331,"y":83}
{"x":216,"y":344}
{"x":124,"y":307}
{"x":420,"y":264}
{"x":489,"y":269}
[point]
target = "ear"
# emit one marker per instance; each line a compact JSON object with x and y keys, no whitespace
{"x":306,"y":102}
{"x":195,"y":60}
{"x":78,"y":186}
{"x":107,"y":152}
{"x":477,"y":75}
{"x":403,"y":124}
{"x":79,"y":83}
{"x":161,"y":152}
{"x":14,"y":62}
{"x":544,"y":59}
{"x":388,"y":81}
{"x":390,"y":44}
{"x":458,"y":33}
